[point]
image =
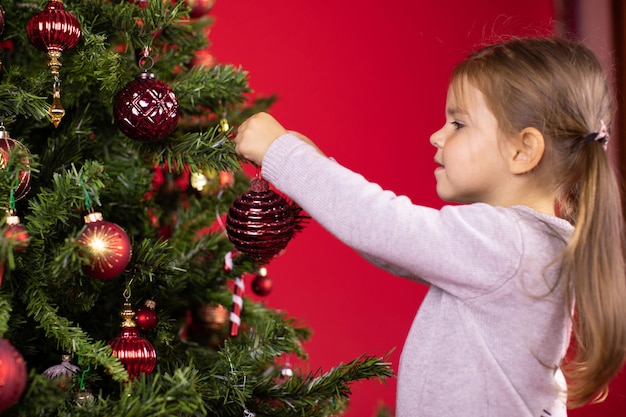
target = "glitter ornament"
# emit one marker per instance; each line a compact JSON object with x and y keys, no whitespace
{"x":146,"y":109}
{"x":13,"y":231}
{"x":106,"y":245}
{"x":62,"y":372}
{"x":54,"y":30}
{"x":136,"y":353}
{"x":7,"y":144}
{"x":12,"y":375}
{"x":260,"y":223}
{"x":146,"y":318}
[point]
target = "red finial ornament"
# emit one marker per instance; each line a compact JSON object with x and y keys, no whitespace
{"x":260,"y":223}
{"x":54,"y":30}
{"x":136,"y":353}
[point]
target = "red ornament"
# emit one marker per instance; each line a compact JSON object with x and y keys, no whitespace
{"x":12,"y":375}
{"x":146,"y":109}
{"x":262,"y":284}
{"x":199,"y":7}
{"x":54,"y":29}
{"x":14,"y":231}
{"x":1,"y":19}
{"x":260,"y":223}
{"x":6,"y":146}
{"x":142,"y":4}
{"x":106,"y":245}
{"x":146,"y":317}
{"x":136,"y":353}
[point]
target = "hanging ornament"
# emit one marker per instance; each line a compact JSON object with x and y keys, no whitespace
{"x":54,"y":30}
{"x":62,"y":372}
{"x":136,"y":353}
{"x":146,"y":109}
{"x":13,"y":231}
{"x":260,"y":222}
{"x":7,"y":144}
{"x":106,"y":245}
{"x":142,"y":4}
{"x":210,"y":317}
{"x":84,"y":398}
{"x":12,"y":375}
{"x":146,"y":317}
{"x":262,"y":284}
{"x":199,"y":7}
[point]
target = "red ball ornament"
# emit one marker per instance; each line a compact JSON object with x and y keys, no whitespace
{"x":146,"y":317}
{"x":260,"y":223}
{"x":106,"y":245}
{"x":12,"y":375}
{"x":6,"y":147}
{"x":146,"y":109}
{"x":54,"y":29}
{"x":14,"y":231}
{"x":262,"y":285}
{"x":199,"y":7}
{"x":142,"y":4}
{"x":136,"y":353}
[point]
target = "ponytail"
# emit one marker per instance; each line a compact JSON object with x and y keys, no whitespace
{"x":593,"y":265}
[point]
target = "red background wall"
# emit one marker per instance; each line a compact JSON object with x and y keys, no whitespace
{"x":367,"y":81}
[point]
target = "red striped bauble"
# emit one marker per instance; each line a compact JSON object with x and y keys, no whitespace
{"x":260,"y":223}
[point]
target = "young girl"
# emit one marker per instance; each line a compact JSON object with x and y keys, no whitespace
{"x":535,"y":251}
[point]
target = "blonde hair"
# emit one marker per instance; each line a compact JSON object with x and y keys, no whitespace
{"x":559,"y":87}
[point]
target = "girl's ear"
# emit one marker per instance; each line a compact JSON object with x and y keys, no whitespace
{"x":527,"y":150}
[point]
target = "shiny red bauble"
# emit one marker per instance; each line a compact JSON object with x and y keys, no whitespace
{"x":7,"y":145}
{"x":146,"y":318}
{"x":106,"y":245}
{"x":12,"y":375}
{"x":54,"y":29}
{"x":262,"y":285}
{"x":15,"y":232}
{"x":260,"y":223}
{"x":146,"y":109}
{"x":134,"y":352}
{"x":199,"y":7}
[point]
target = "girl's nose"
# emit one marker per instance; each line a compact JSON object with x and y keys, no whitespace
{"x":436,"y":139}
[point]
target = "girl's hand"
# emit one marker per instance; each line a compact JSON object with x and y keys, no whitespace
{"x":255,"y":135}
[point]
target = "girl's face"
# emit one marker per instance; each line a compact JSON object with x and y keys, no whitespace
{"x":471,"y":167}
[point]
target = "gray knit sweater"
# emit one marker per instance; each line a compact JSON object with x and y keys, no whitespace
{"x":490,"y":334}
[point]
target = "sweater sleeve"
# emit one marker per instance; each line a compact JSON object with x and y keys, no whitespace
{"x":465,"y":250}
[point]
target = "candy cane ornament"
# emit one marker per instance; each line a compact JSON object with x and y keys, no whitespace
{"x":235,"y":314}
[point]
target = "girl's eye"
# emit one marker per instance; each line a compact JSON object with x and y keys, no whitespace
{"x":457,"y":125}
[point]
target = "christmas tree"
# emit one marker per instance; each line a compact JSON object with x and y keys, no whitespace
{"x":117,"y":276}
